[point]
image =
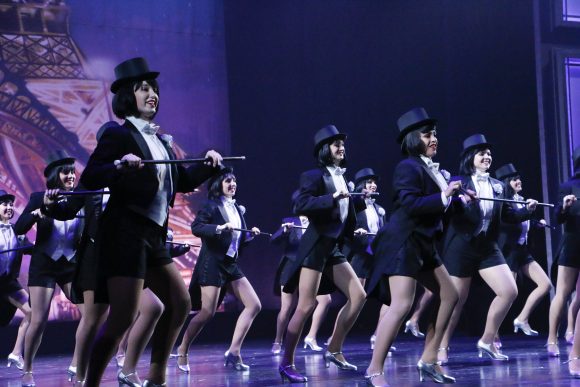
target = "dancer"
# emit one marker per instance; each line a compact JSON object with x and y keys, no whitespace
{"x":573,"y":309}
{"x":52,"y":261}
{"x":289,"y":236}
{"x":513,"y":241}
{"x":371,"y":219}
{"x":412,"y":324}
{"x":12,"y":295}
{"x":136,"y":218}
{"x":218,"y":224}
{"x":471,"y":245}
{"x":567,"y":212}
{"x":323,"y":197}
{"x":405,"y":248}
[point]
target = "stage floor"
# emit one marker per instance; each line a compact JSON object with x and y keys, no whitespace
{"x":528,"y":365}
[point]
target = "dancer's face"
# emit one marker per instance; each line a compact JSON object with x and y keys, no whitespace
{"x":147,"y":100}
{"x":430,"y":141}
{"x":482,"y":160}
{"x":67,"y":178}
{"x":371,"y":185}
{"x":6,"y":211}
{"x":516,"y":184}
{"x":337,"y":151}
{"x":229,"y":187}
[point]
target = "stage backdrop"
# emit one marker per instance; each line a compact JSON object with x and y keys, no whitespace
{"x":56,"y":66}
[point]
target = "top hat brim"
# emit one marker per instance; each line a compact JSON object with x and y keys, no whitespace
{"x":57,"y":163}
{"x":116,"y":85}
{"x":480,"y":145}
{"x":367,"y":177}
{"x":415,"y":126}
{"x":9,"y":197}
{"x":338,"y":136}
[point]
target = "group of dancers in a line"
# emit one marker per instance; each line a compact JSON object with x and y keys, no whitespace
{"x":104,"y":242}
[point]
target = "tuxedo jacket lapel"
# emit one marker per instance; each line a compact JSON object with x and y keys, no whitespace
{"x":430,"y":173}
{"x":330,"y":188}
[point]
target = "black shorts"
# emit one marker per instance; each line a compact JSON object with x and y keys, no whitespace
{"x":46,"y":273}
{"x":465,"y":257}
{"x":417,"y":254}
{"x":324,"y":254}
{"x":569,"y":254}
{"x":129,"y":244}
{"x":518,"y":257}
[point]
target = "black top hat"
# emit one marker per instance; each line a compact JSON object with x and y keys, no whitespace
{"x":412,"y":120}
{"x":132,"y":70}
{"x":57,"y":158}
{"x":475,"y":141}
{"x":506,"y":171}
{"x":365,"y":174}
{"x":5,"y":196}
{"x":326,"y":135}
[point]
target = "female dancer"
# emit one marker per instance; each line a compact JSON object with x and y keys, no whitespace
{"x":371,"y":219}
{"x":323,"y":197}
{"x":567,"y":213}
{"x":133,"y":227}
{"x":12,"y":295}
{"x":218,"y":224}
{"x":52,"y":260}
{"x":289,"y":236}
{"x":513,"y":241}
{"x":405,"y":251}
{"x":471,"y":245}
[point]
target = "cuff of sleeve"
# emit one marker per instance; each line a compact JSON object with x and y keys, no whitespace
{"x":445,"y":200}
{"x":217,"y":231}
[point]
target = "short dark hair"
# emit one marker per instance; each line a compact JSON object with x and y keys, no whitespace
{"x":412,"y":144}
{"x":324,"y":157}
{"x":362,"y":184}
{"x":509,"y":191}
{"x":53,"y":179}
{"x":124,"y":103}
{"x":466,"y":164}
{"x":214,"y":186}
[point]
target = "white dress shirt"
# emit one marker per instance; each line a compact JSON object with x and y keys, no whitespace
{"x":484,"y":190}
{"x":8,"y":241}
{"x":523,"y":239}
{"x":339,"y":184}
{"x":441,"y":182}
{"x":236,"y":221}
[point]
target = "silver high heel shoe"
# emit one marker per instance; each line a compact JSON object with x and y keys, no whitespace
{"x":31,"y":383}
{"x":124,"y":380}
{"x":524,"y":327}
{"x":330,"y":357}
{"x":236,"y":361}
{"x":71,"y":372}
{"x":443,"y":359}
{"x":428,"y":370}
{"x":16,"y":361}
{"x":276,"y":348}
{"x":488,"y":350}
{"x":147,"y":383}
{"x":574,"y":374}
{"x":181,"y":367}
{"x":120,"y":360}
{"x":370,"y":382}
{"x":311,"y":343}
{"x":553,"y":350}
{"x":414,"y":329}
{"x":373,"y":340}
{"x":289,"y":372}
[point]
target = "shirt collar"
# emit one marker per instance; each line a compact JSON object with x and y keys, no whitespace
{"x":139,"y":123}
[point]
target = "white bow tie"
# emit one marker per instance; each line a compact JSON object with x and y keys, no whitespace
{"x":482,"y":177}
{"x":433,"y":166}
{"x":339,"y":171}
{"x":370,"y":202}
{"x":230,"y":202}
{"x":150,"y":128}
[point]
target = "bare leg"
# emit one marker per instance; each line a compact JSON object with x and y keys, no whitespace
{"x":244,"y":291}
{"x":209,"y":302}
{"x":150,"y":310}
{"x":122,"y":311}
{"x":307,"y":289}
{"x":402,"y":296}
{"x":534,"y":272}
{"x":20,"y":300}
{"x":167,"y":284}
{"x":318,"y":315}
{"x":573,"y":309}
{"x":566,"y":277}
{"x":426,"y":298}
{"x":286,"y":303}
{"x":574,"y":365}
{"x":92,"y":318}
{"x":462,"y":285}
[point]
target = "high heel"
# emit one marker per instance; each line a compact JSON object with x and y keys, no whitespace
{"x":443,"y":358}
{"x":16,"y":361}
{"x":276,"y":348}
{"x":120,"y":360}
{"x":71,"y":372}
{"x":372,"y":340}
{"x":524,"y":327}
{"x":236,"y":361}
{"x":79,"y":383}
{"x":551,"y":351}
{"x":574,"y":374}
{"x":413,"y":328}
{"x":147,"y":383}
{"x":487,"y":349}
{"x":569,"y":337}
{"x":311,"y":342}
{"x":370,"y":382}
{"x":31,"y":382}
{"x":125,"y":381}
{"x":330,"y":357}
{"x":181,"y":367}
{"x":429,"y":370}
{"x":289,"y":372}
